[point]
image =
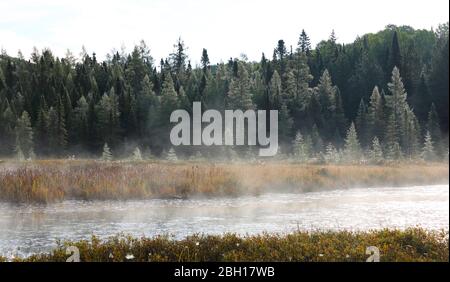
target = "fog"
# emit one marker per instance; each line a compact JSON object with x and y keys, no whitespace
{"x":28,"y":229}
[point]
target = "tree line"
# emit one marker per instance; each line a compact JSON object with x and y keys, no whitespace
{"x":385,"y":94}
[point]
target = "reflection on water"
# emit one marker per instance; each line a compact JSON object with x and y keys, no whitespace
{"x":29,"y":229}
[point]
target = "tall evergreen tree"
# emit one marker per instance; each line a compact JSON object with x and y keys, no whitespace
{"x":375,"y":115}
{"x":304,"y":43}
{"x":428,"y":152}
{"x":239,"y":96}
{"x":434,"y":128}
{"x":24,"y":135}
{"x":361,"y":123}
{"x":352,"y":148}
{"x":396,"y":104}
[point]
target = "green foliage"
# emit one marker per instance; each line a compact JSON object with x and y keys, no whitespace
{"x":106,"y":154}
{"x":414,"y":244}
{"x":24,"y":136}
{"x":352,"y":150}
{"x":428,"y":152}
{"x":376,"y":152}
{"x":78,"y":105}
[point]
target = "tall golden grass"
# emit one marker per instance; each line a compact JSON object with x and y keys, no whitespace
{"x":413,"y":244}
{"x":48,"y":181}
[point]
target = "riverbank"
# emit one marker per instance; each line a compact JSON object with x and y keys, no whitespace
{"x":48,"y":181}
{"x":413,"y":244}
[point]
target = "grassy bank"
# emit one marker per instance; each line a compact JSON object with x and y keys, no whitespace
{"x":57,"y":180}
{"x":409,"y":245}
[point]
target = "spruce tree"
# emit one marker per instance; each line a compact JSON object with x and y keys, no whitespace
{"x":109,"y":117}
{"x":394,"y":152}
{"x":7,"y":131}
{"x":301,"y":148}
{"x":395,"y":57}
{"x":376,"y":152}
{"x":433,"y":126}
{"x":19,"y":154}
{"x":352,"y":149}
{"x":316,"y":139}
{"x":411,"y":134}
{"x":239,"y":96}
{"x":361,"y":123}
{"x":106,"y":154}
{"x":171,"y":155}
{"x":285,"y":124}
{"x":331,"y":154}
{"x":275,"y":96}
{"x":137,"y":155}
{"x":24,"y":134}
{"x":428,"y":152}
{"x":375,"y":115}
{"x":304,"y":43}
{"x":396,"y":104}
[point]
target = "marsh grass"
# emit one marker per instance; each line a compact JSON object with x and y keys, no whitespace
{"x":49,"y":181}
{"x":413,"y":244}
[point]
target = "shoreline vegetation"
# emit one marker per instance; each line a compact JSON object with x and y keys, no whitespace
{"x":413,"y":244}
{"x":49,"y":181}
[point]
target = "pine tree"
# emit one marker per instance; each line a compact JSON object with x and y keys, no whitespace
{"x":361,"y":123}
{"x":376,"y":152}
{"x":327,"y":94}
{"x":290,"y":90}
{"x":169,"y":100}
{"x":396,"y":103}
{"x":316,"y":139}
{"x":395,"y":57}
{"x":19,"y":154}
{"x":239,"y":96}
{"x":275,"y":91}
{"x":109,"y":117}
{"x":205,"y":60}
{"x":394,"y":151}
{"x":285,"y":124}
{"x":352,"y":147}
{"x":137,"y":155}
{"x":80,"y":121}
{"x":304,"y":43}
{"x":428,"y":152}
{"x":331,"y":154}
{"x":301,"y":148}
{"x":375,"y":115}
{"x":171,"y":155}
{"x":434,"y":127}
{"x":32,"y":154}
{"x":411,"y":134}
{"x":61,"y":127}
{"x":7,"y":125}
{"x":24,"y":134}
{"x":178,"y":59}
{"x":106,"y":155}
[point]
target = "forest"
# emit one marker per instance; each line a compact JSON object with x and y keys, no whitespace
{"x":384,"y":96}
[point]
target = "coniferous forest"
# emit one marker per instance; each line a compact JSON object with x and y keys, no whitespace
{"x":384,"y":96}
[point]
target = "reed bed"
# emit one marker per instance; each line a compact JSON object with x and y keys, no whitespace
{"x":48,"y":181}
{"x":413,"y":244}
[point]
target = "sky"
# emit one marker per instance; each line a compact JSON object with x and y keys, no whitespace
{"x":226,"y":28}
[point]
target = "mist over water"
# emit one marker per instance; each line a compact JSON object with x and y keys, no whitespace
{"x":26,"y":229}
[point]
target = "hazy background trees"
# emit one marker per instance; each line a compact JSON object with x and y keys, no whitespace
{"x":385,"y":95}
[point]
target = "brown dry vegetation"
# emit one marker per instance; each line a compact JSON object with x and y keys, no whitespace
{"x":413,"y":244}
{"x":56,"y":180}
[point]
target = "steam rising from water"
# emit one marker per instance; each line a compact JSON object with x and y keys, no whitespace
{"x":28,"y":229}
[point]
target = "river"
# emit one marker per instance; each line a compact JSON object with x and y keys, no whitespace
{"x":27,"y":229}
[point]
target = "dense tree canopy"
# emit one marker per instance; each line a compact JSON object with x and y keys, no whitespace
{"x":392,"y":84}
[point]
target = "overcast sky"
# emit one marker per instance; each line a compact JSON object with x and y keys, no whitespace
{"x":227,"y":28}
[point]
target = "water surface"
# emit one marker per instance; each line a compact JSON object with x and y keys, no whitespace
{"x":33,"y":228}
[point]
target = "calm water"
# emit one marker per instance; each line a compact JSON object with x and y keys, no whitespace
{"x":29,"y":229}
